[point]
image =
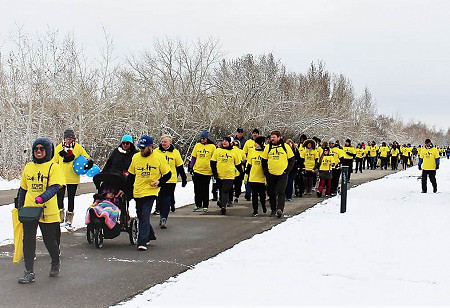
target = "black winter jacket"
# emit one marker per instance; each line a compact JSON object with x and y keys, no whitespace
{"x":119,"y":161}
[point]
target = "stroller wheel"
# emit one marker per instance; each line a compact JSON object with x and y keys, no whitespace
{"x":89,"y":235}
{"x":98,"y":237}
{"x":133,"y":231}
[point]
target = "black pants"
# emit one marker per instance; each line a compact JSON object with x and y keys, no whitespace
{"x":276,"y":187}
{"x":237,"y":186}
{"x":335,"y":180}
{"x":225,"y":187}
{"x":201,"y":189}
{"x":394,"y":162}
{"x":258,"y":191}
{"x":51,"y":234}
{"x":432,"y":175}
{"x":359,"y":164}
{"x":71,"y":191}
{"x":384,"y":162}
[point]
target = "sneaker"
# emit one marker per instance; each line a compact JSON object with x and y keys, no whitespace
{"x":172,"y":208}
{"x":289,"y":199}
{"x":254,"y":214}
{"x":196,"y":208}
{"x":223,"y":210}
{"x":28,"y":276}
{"x":156,"y":213}
{"x":54,"y":270}
{"x":236,"y":200}
{"x":424,"y":192}
{"x":142,"y":248}
{"x":279,"y":213}
{"x":435,"y":190}
{"x":151,"y":237}
{"x":319,"y":194}
{"x":272,"y":213}
{"x":205,"y":210}
{"x":162,"y":223}
{"x":248,"y":197}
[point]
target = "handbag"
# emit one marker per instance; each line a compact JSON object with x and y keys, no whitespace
{"x":33,"y":213}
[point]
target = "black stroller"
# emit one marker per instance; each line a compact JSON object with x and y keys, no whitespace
{"x":97,"y":228}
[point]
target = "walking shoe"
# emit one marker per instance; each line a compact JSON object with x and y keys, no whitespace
{"x":172,"y":208}
{"x":205,"y":210}
{"x":279,"y":213}
{"x":424,"y":191}
{"x":230,"y":204}
{"x":272,"y":213}
{"x":151,"y":237}
{"x":142,"y":248}
{"x":435,"y":190}
{"x":319,"y":194}
{"x":236,"y":200}
{"x":254,"y":214}
{"x":28,"y":276}
{"x":289,"y":199}
{"x":223,"y":210}
{"x":162,"y":223}
{"x":248,"y":197}
{"x":196,"y":208}
{"x":54,"y":270}
{"x":156,"y":212}
{"x":264,"y":208}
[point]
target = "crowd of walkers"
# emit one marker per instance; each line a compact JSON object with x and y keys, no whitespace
{"x":270,"y":167}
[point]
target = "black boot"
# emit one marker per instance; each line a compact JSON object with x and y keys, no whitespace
{"x":54,"y":270}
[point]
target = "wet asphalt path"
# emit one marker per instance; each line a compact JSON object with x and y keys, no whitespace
{"x":92,"y":277}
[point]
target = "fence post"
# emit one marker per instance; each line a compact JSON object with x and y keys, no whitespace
{"x":344,"y":189}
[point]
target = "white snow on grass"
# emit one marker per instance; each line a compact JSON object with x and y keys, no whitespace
{"x":389,"y":248}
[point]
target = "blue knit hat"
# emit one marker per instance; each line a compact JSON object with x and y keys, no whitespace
{"x":204,"y":134}
{"x":126,"y":138}
{"x":48,"y":145}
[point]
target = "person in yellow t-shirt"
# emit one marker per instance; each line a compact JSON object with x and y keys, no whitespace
{"x":324,"y":166}
{"x":349,"y":155}
{"x":65,"y":154}
{"x":429,"y":162}
{"x":309,"y":157}
{"x":360,"y":154}
{"x":149,"y":170}
{"x":224,"y":163}
{"x":237,"y":183}
{"x":277,"y":161}
{"x":166,"y":196}
{"x":256,"y":176}
{"x":41,"y":180}
{"x":395,"y":153}
{"x":384,"y":151}
{"x":200,"y":168}
{"x":248,"y":147}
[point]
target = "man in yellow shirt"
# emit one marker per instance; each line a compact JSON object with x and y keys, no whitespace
{"x":277,"y":161}
{"x":224,"y":163}
{"x":200,"y":169}
{"x":166,"y":195}
{"x":429,"y":162}
{"x":256,"y":177}
{"x":150,"y":171}
{"x":349,"y":155}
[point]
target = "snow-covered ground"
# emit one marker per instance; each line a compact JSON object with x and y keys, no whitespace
{"x":390,"y":248}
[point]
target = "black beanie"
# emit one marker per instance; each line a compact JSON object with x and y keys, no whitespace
{"x":260,"y":140}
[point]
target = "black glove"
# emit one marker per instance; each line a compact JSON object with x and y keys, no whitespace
{"x":183,"y":182}
{"x":420,"y":167}
{"x":191,"y":170}
{"x":437,"y":167}
{"x":68,"y":158}
{"x":89,"y":164}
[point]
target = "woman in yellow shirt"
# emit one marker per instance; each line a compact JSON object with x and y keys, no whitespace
{"x":41,"y":180}
{"x":256,"y":177}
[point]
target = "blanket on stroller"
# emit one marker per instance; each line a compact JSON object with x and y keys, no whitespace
{"x":107,"y":210}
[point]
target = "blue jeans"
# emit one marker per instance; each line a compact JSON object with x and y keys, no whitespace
{"x":165,"y":199}
{"x":290,"y":184}
{"x":143,"y":209}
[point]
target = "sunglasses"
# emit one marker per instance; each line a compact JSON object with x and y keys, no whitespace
{"x":39,"y":149}
{"x":126,"y":143}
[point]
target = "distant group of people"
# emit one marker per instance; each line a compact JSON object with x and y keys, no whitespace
{"x":267,"y":165}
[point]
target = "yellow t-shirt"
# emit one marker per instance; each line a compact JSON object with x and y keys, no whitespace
{"x":347,"y":151}
{"x":384,"y":151}
{"x":34,"y":181}
{"x":227,"y":160}
{"x":67,"y":168}
{"x":310,"y":156}
{"x":337,"y":154}
{"x":429,"y":158}
{"x":373,"y":150}
{"x":360,"y":153}
{"x":147,"y":170}
{"x":277,"y":158}
{"x":256,"y":173}
{"x":327,"y":163}
{"x":174,"y":160}
{"x":395,"y":152}
{"x":248,"y":147}
{"x":203,"y":154}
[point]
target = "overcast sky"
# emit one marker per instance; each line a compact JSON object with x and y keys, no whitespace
{"x":400,"y":50}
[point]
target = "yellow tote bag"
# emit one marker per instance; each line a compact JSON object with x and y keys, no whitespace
{"x":18,"y":236}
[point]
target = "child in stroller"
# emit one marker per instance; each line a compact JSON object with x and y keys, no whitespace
{"x":108,"y":216}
